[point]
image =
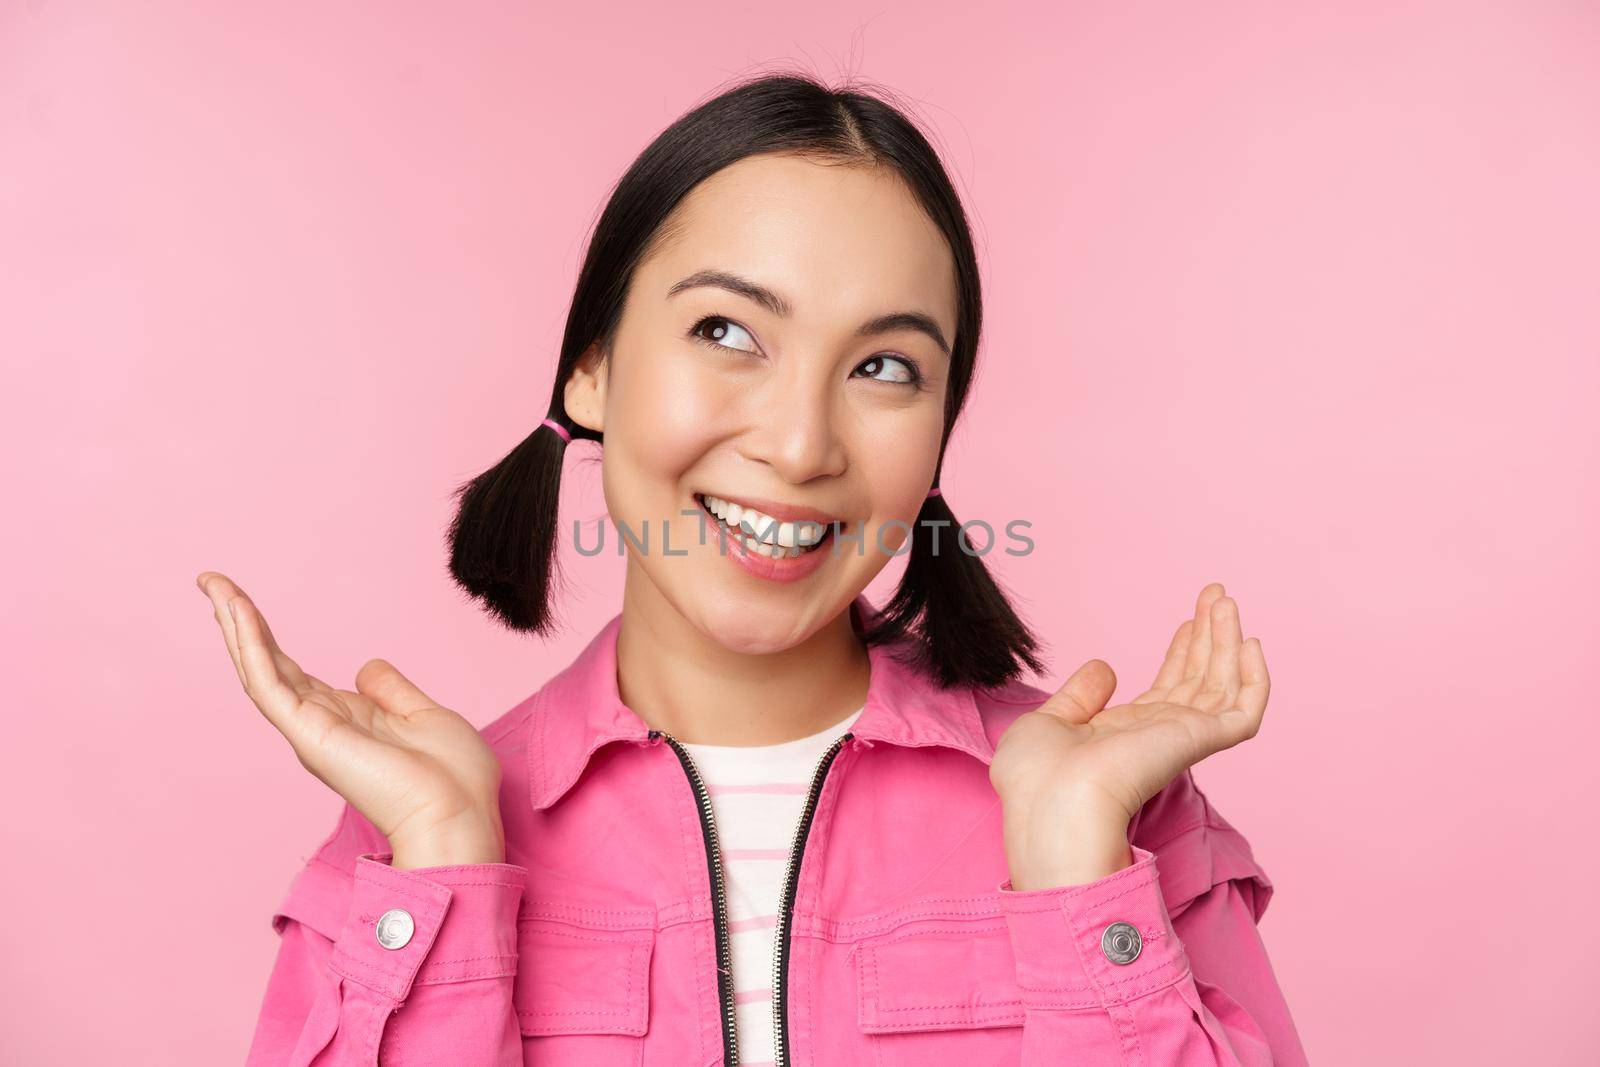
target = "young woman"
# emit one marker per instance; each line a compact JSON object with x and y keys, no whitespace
{"x":758,"y":819}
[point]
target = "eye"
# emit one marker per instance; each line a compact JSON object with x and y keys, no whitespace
{"x":891,"y":369}
{"x":716,"y":330}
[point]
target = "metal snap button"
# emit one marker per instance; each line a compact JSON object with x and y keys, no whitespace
{"x":395,"y":928}
{"x":1121,"y":943}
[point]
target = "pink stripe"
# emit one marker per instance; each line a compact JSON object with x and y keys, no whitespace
{"x":755,"y":922}
{"x":787,"y":788}
{"x":755,"y":853}
{"x":750,"y":996}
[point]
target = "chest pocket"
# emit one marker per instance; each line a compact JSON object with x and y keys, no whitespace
{"x":582,"y":990}
{"x":940,"y":983}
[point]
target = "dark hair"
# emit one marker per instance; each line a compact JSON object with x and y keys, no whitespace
{"x":503,"y":538}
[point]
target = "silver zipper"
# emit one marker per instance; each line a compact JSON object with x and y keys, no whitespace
{"x":708,"y":826}
{"x":791,"y":881}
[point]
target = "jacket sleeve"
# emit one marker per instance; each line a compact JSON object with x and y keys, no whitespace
{"x":336,"y":991}
{"x":1198,"y":991}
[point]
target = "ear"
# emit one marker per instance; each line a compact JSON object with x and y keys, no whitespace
{"x":585,"y":395}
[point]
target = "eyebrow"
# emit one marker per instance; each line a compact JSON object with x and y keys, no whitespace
{"x":733,"y":283}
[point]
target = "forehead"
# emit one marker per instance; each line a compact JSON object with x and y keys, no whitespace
{"x":839,"y":241}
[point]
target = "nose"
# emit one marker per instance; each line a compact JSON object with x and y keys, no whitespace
{"x":794,"y":430}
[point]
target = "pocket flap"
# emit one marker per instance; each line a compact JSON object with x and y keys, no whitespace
{"x":938,"y":975}
{"x":581,"y":971}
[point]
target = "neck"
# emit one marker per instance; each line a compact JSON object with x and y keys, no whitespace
{"x":701,"y":692}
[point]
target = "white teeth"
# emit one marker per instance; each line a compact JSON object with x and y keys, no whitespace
{"x":761,"y":527}
{"x":770,"y":551}
{"x":763,"y":534}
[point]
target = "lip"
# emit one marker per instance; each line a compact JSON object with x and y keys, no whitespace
{"x":777,"y":510}
{"x":786,"y":569}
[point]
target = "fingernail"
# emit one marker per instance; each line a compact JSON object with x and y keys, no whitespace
{"x":233,"y":608}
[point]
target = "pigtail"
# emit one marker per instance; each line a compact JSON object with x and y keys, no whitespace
{"x":503,"y":538}
{"x":962,"y":628}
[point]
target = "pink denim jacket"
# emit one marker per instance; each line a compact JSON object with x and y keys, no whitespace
{"x":603,"y":941}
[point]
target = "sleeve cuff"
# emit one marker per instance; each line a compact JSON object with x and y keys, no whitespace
{"x":1071,"y":945}
{"x":418,"y":945}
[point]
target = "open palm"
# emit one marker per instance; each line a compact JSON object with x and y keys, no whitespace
{"x":419,"y":772}
{"x":1073,"y":752}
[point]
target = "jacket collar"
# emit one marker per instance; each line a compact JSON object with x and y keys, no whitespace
{"x":581,"y":709}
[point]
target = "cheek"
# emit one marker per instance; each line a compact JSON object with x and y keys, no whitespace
{"x":899,"y":463}
{"x":666,"y":416}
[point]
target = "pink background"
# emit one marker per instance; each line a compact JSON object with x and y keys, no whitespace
{"x":1300,"y":300}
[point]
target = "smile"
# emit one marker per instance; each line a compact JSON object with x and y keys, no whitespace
{"x":776,"y":537}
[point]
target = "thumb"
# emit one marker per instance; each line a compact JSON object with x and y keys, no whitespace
{"x":379,"y":680}
{"x":1083,"y":695}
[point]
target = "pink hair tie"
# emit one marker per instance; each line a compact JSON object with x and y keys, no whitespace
{"x":934,"y":492}
{"x":558,"y":428}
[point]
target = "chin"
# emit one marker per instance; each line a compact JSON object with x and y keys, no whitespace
{"x":752,"y":632}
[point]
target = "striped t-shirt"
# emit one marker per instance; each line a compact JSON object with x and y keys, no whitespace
{"x":757,"y":795}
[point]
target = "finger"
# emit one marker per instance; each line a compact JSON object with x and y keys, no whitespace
{"x":1222,"y":671}
{"x":1194,"y":668}
{"x":1171,"y":672}
{"x":221,"y":588}
{"x":218,"y":589}
{"x":298,"y":720}
{"x":1251,"y":704}
{"x":291,"y":671}
{"x":1083,"y":695}
{"x":379,"y":680}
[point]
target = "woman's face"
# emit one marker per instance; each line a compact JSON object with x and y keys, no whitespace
{"x":785,"y":350}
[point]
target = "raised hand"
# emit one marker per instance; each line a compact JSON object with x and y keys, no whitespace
{"x":419,"y":772}
{"x":1072,"y":773}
